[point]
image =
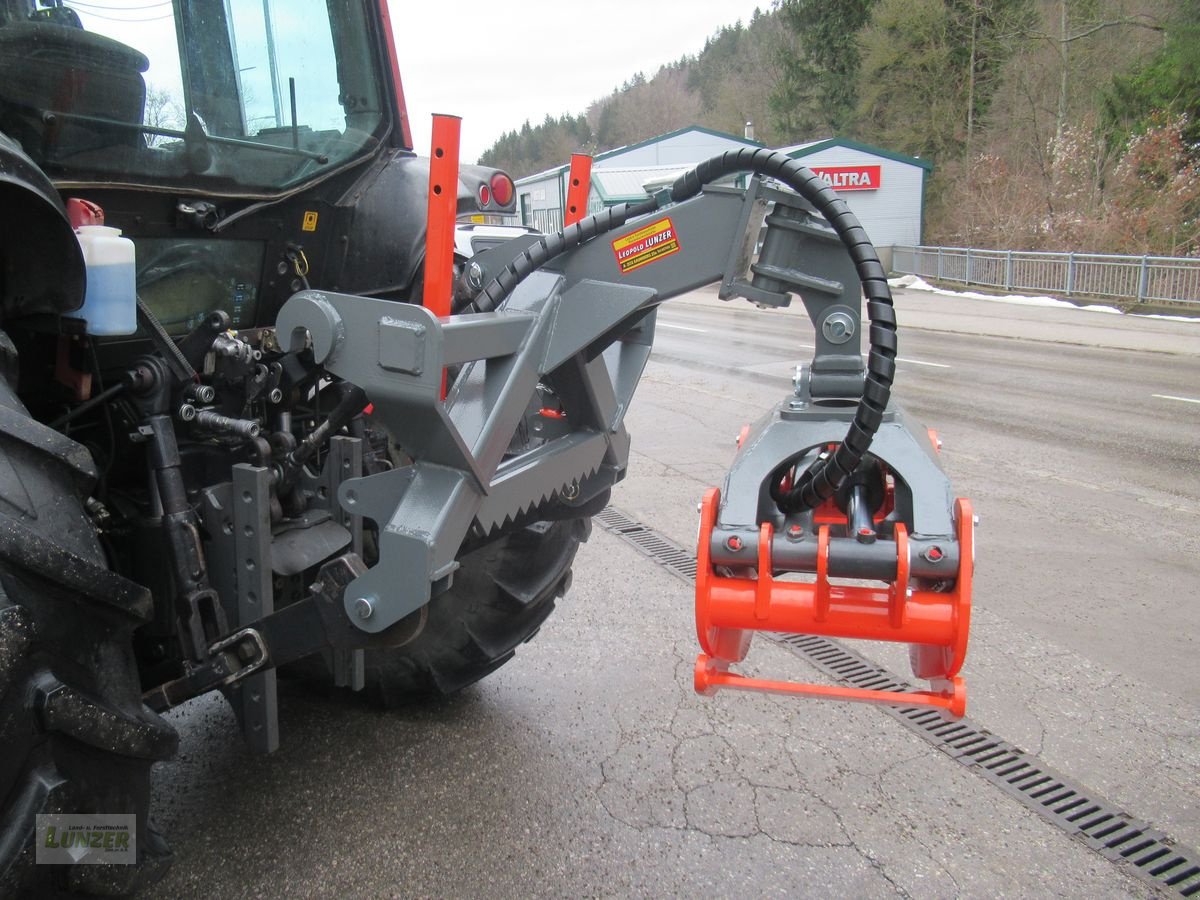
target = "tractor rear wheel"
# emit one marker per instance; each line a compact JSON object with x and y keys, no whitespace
{"x":76,"y":737}
{"x":501,"y":595}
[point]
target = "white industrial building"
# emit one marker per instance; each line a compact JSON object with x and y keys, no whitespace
{"x":885,"y":190}
{"x":619,"y":175}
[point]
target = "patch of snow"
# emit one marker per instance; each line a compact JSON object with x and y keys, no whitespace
{"x":1195,"y":320}
{"x":910,"y":281}
{"x":916,"y":283}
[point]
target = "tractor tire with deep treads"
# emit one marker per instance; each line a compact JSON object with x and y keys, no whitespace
{"x":74,"y":733}
{"x":501,"y":595}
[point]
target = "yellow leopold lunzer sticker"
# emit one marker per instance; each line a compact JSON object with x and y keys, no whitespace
{"x":646,"y":245}
{"x":310,"y":221}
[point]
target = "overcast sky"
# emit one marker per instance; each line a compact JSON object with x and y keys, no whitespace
{"x":499,"y":63}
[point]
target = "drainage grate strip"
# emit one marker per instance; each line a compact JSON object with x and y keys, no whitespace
{"x":679,"y":562}
{"x":1104,"y":827}
{"x":1076,"y":810}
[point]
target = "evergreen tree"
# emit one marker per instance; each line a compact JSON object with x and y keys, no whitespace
{"x":1165,"y":86}
{"x":818,"y":92}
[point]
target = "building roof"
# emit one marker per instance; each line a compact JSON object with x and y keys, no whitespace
{"x":622,"y":187}
{"x":676,"y":133}
{"x":619,"y":184}
{"x":541,"y":175}
{"x":545,"y":173}
{"x":617,"y":151}
{"x":798,"y":151}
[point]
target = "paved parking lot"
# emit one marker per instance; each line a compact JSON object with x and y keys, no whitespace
{"x":587,"y":766}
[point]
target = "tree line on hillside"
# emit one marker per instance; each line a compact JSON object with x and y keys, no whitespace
{"x":1052,"y":124}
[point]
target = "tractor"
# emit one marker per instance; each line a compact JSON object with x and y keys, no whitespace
{"x":238,"y":444}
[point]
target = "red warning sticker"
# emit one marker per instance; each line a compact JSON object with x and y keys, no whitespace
{"x":646,"y":245}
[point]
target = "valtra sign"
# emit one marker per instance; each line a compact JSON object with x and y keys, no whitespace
{"x":850,"y":178}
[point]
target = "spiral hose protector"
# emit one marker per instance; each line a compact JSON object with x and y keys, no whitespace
{"x":552,"y":245}
{"x":821,"y":480}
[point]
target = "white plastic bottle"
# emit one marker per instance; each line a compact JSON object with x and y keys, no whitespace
{"x":110,"y":304}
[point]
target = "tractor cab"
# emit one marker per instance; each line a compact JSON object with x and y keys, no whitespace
{"x":249,"y":148}
{"x":243,"y":98}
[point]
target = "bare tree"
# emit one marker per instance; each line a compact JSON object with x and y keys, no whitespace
{"x":162,"y":110}
{"x":1069,"y":32}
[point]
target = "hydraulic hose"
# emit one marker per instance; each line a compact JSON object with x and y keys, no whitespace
{"x":821,"y":480}
{"x":553,"y":245}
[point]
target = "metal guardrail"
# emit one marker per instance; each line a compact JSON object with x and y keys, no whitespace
{"x":544,"y":220}
{"x":1140,"y":278}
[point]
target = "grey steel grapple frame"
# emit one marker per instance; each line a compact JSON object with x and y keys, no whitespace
{"x":584,"y":328}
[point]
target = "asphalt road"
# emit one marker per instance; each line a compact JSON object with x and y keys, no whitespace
{"x":588,"y":767}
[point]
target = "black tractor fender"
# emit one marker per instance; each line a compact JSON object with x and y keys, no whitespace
{"x":41,"y":264}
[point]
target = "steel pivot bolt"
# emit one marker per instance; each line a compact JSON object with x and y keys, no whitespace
{"x":475,"y":275}
{"x":364,"y":607}
{"x":838,"y":327}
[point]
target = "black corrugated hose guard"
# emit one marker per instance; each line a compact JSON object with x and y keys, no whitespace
{"x":821,"y":480}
